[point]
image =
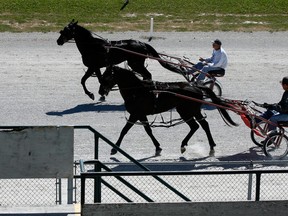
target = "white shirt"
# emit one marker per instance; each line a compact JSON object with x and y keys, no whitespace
{"x":218,"y":59}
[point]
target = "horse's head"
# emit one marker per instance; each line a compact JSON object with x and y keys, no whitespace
{"x":107,"y":81}
{"x":67,"y":33}
{"x":120,"y":76}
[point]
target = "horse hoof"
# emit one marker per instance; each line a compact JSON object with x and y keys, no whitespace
{"x":158,"y":152}
{"x":102,"y":98}
{"x":91,"y":95}
{"x":183,"y":149}
{"x":113,"y":152}
{"x":212,"y":153}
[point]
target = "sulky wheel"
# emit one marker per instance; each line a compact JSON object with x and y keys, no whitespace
{"x":276,"y":146}
{"x":214,"y":86}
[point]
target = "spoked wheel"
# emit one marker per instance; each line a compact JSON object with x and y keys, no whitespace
{"x":276,"y":146}
{"x":259,"y":133}
{"x":215,"y":87}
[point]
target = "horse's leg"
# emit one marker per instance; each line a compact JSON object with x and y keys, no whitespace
{"x":132,"y":119}
{"x":105,"y":87}
{"x":193,"y":128}
{"x":88,"y":73}
{"x":148,"y":130}
{"x":138,"y":66}
{"x":99,"y":76}
{"x":204,"y":124}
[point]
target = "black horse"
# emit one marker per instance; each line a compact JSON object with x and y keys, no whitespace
{"x":98,"y":53}
{"x":141,"y":100}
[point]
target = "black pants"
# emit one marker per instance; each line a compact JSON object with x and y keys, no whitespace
{"x":217,"y":73}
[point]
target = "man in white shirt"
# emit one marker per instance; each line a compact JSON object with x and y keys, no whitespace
{"x":216,"y":64}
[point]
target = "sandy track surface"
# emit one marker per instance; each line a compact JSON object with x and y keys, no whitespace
{"x":40,"y":85}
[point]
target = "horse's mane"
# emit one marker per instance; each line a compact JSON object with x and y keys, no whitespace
{"x":85,"y":33}
{"x":126,"y":75}
{"x":131,"y":76}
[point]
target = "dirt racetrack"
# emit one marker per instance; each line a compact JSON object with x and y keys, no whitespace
{"x":40,"y":85}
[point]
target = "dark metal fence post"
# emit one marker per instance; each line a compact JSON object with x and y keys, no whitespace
{"x":82,"y":189}
{"x":250,"y":181}
{"x":258,"y":182}
{"x":97,"y":168}
{"x":96,"y":146}
{"x":97,"y":183}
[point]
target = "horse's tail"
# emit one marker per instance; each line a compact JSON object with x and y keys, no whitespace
{"x":218,"y":101}
{"x":164,"y":63}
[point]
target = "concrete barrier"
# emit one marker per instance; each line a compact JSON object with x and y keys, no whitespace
{"x":249,"y":208}
{"x":37,"y":152}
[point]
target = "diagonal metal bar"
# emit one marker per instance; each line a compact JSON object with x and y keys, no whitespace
{"x":135,"y":161}
{"x":116,"y":191}
{"x":129,"y":185}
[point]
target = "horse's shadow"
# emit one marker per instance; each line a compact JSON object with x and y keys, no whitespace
{"x":99,"y":107}
{"x":92,"y":107}
{"x":253,"y":154}
{"x":157,"y":167}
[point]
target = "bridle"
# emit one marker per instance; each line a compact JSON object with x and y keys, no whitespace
{"x":68,"y":34}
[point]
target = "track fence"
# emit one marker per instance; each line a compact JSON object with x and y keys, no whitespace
{"x":96,"y":182}
{"x":196,"y":186}
{"x":30,"y":192}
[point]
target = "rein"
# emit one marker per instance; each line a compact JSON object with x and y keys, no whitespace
{"x":100,"y":37}
{"x":181,"y":64}
{"x":149,"y":56}
{"x":235,"y":108}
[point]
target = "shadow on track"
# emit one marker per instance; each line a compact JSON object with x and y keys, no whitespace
{"x":92,"y":107}
{"x":162,"y":166}
{"x":99,"y":107}
{"x":253,"y":154}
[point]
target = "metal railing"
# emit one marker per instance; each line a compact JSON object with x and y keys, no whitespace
{"x":103,"y":178}
{"x":246,"y":184}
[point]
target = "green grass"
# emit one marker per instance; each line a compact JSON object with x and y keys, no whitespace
{"x":169,"y":15}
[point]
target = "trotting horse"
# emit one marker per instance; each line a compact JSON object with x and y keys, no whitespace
{"x":98,"y":53}
{"x":141,"y":100}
